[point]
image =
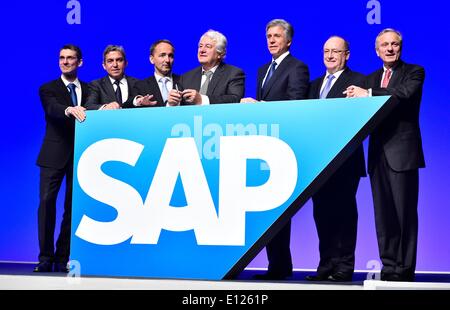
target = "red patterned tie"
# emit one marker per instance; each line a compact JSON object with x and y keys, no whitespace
{"x":387,"y":77}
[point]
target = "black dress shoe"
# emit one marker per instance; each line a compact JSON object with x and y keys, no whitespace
{"x":340,"y":277}
{"x":317,"y":277}
{"x":43,"y":267}
{"x":271,"y":276}
{"x":60,"y":267}
{"x":396,"y":277}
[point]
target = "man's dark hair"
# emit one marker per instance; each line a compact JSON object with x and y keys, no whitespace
{"x":74,"y":48}
{"x":153,"y":47}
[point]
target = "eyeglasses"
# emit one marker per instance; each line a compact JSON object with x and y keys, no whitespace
{"x":68,"y":58}
{"x":326,"y":51}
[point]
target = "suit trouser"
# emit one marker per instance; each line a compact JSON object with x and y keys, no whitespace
{"x":395,"y":198}
{"x":50,"y":183}
{"x":279,"y":253}
{"x":336,"y":217}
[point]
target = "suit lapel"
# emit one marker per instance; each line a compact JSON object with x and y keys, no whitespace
{"x":279,"y":71}
{"x":396,"y":76}
{"x":154,"y":90}
{"x":314,"y":88}
{"x":337,"y":89}
{"x":130,"y":85}
{"x":376,"y":82}
{"x":176,"y":81}
{"x":109,"y":89}
{"x":217,"y":76}
{"x":198,"y":78}
{"x":84,"y":92}
{"x":261,"y":75}
{"x":64,"y":92}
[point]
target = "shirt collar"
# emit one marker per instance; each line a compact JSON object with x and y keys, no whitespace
{"x":213,"y":69}
{"x":158,"y":77}
{"x":281,"y":58}
{"x":336,"y":74}
{"x":66,"y":82}
{"x":121,"y":80}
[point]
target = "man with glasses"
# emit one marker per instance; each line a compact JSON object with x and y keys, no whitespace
{"x":334,"y":204}
{"x":63,"y":102}
{"x":395,"y":156}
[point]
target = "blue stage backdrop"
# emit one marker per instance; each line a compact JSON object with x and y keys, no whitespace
{"x":33,"y":32}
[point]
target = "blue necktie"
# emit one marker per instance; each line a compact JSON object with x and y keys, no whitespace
{"x":73,"y":94}
{"x":271,"y":71}
{"x":164,"y":90}
{"x":327,"y":87}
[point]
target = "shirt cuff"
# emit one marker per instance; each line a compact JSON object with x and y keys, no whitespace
{"x":65,"y":112}
{"x":205,"y":100}
{"x":135,"y":101}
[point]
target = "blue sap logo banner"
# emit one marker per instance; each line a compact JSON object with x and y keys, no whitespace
{"x":185,"y":192}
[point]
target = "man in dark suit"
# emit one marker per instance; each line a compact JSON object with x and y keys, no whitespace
{"x":335,"y":209}
{"x":284,"y":78}
{"x":213,"y":81}
{"x":154,"y":91}
{"x":116,"y":90}
{"x":63,"y":100}
{"x":395,"y":156}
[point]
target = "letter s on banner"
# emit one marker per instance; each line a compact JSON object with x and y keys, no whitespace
{"x":115,"y":193}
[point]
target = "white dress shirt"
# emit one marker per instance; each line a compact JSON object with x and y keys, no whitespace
{"x":123,"y":87}
{"x":278,"y":61}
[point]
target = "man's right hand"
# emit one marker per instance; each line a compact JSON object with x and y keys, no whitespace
{"x":111,"y":106}
{"x":248,"y":100}
{"x":175,"y":97}
{"x":77,"y":112}
{"x":146,"y":101}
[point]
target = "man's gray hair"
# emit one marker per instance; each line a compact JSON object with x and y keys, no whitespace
{"x":220,"y":39}
{"x":114,"y":48}
{"x":389,"y":30}
{"x":288,"y":29}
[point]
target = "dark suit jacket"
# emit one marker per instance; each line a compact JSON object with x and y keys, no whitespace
{"x":398,"y":136}
{"x":102,"y":92}
{"x":290,"y":81}
{"x":355,"y":163}
{"x":150,"y":86}
{"x":57,"y":147}
{"x":227,"y":83}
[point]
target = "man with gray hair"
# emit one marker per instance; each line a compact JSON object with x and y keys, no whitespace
{"x":213,"y":81}
{"x":395,"y":156}
{"x":283,"y":78}
{"x":115,"y":90}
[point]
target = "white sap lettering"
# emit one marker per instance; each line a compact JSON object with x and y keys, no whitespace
{"x":179,"y":157}
{"x":117,"y":194}
{"x":235,"y":198}
{"x":144,"y":221}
